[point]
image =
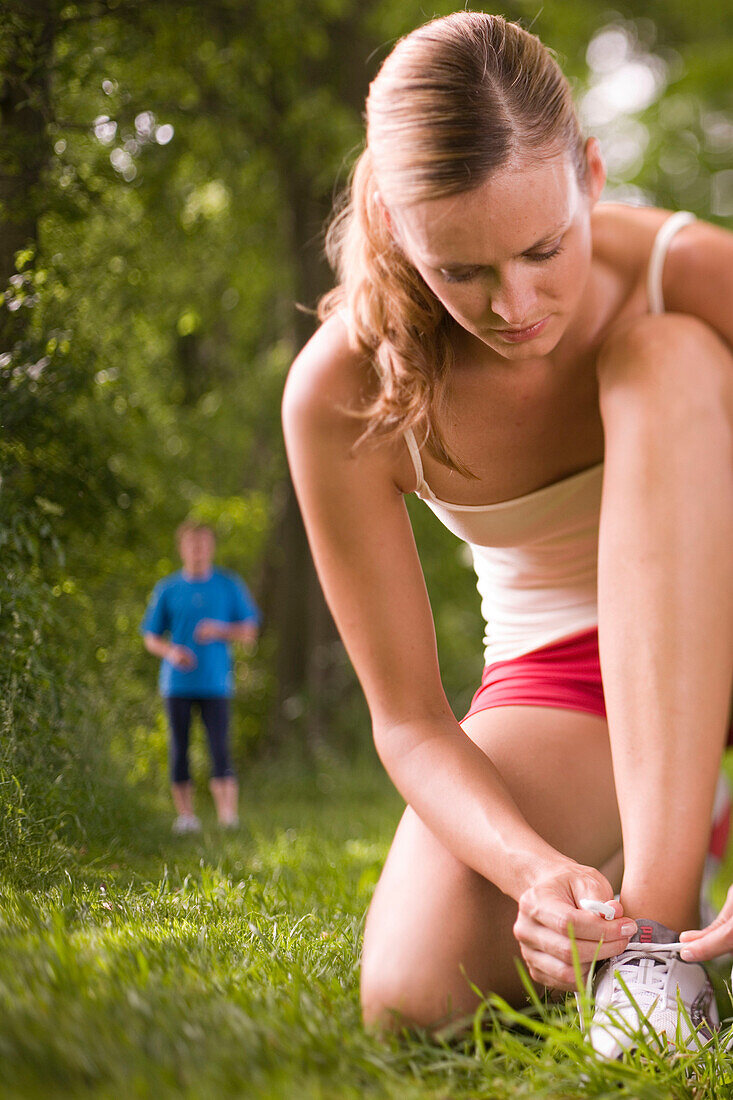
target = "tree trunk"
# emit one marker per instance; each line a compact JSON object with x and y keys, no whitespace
{"x":305,"y":630}
{"x":310,"y":656}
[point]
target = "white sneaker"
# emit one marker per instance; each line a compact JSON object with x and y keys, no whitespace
{"x":186,"y":823}
{"x":636,"y":994}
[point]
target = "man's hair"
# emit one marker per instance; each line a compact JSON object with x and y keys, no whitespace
{"x":192,"y":526}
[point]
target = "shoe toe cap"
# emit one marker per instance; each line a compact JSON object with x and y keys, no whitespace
{"x":605,"y":1042}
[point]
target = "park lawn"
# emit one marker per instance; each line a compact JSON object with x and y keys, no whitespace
{"x":227,"y":966}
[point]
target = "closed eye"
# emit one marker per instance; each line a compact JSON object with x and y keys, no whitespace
{"x":543,"y":257}
{"x":462,"y":277}
{"x":472,"y":273}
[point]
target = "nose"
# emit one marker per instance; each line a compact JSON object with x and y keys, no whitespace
{"x":514,"y":299}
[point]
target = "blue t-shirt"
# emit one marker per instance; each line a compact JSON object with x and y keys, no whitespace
{"x":176,"y":607}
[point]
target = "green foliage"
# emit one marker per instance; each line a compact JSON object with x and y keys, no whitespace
{"x":56,"y":777}
{"x":188,"y":153}
{"x":241,"y":524}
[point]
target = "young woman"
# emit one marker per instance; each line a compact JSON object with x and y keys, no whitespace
{"x":554,"y":377}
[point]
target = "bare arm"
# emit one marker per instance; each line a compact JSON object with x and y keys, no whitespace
{"x":212,"y":630}
{"x":364,"y":551}
{"x":367,"y":562}
{"x":245,"y":632}
{"x":178,"y":655}
{"x":157,"y":645}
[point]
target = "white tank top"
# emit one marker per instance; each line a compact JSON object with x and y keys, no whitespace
{"x":536,"y":556}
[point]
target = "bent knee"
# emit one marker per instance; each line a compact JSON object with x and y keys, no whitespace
{"x":656,"y":344}
{"x":672,"y":361}
{"x":393,"y":1003}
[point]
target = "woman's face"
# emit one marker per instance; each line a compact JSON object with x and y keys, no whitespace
{"x":510,"y":259}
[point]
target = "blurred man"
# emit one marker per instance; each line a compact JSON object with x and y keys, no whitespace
{"x":190,"y":620}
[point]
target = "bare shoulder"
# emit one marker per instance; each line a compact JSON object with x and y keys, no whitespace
{"x":327,"y":379}
{"x":697,"y":278}
{"x":623,"y":236}
{"x":329,"y":382}
{"x":698,"y":274}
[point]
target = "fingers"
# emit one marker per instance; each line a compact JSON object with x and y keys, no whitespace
{"x":708,"y":943}
{"x":551,"y":959}
{"x":606,"y":909}
{"x":550,"y":956}
{"x":560,"y":917}
{"x":556,"y":968}
{"x":697,"y":933}
{"x":607,"y":940}
{"x":716,"y":939}
{"x":552,"y":972}
{"x":553,"y":932}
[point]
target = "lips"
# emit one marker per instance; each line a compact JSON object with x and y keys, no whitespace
{"x":517,"y":335}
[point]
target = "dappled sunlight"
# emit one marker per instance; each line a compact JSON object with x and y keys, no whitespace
{"x":146,"y":132}
{"x":625,"y":79}
{"x":655,"y":133}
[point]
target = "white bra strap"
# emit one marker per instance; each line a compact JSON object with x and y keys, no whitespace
{"x":659,"y":252}
{"x":416,"y":460}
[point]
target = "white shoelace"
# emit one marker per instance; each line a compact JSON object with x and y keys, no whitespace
{"x":628,"y":964}
{"x":651,"y":948}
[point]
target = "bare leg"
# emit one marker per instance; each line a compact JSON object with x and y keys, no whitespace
{"x":434,"y":924}
{"x":183,"y":797}
{"x":225,"y":792}
{"x":666,"y":600}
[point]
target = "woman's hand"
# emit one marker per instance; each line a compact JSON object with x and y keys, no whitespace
{"x":549,"y":913}
{"x":702,"y":944}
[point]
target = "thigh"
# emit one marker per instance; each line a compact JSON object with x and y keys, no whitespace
{"x":435,"y":926}
{"x":179,"y":718}
{"x":215,"y":717}
{"x":179,"y":721}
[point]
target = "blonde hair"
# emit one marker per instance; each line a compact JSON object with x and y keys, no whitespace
{"x":453,"y":102}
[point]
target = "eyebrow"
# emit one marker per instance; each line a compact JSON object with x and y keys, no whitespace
{"x":456,"y":265}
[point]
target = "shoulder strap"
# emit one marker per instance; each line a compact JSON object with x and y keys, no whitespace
{"x":416,"y":460}
{"x":659,"y":251}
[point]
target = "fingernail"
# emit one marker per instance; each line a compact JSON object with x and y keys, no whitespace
{"x":686,"y":955}
{"x":628,"y":928}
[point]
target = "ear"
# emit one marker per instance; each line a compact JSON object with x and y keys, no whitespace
{"x":595,"y":171}
{"x":384,"y":212}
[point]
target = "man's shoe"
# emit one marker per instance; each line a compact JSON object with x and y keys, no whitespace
{"x":186,"y":823}
{"x":648,"y":991}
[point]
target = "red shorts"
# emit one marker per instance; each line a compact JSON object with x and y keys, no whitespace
{"x":564,"y":674}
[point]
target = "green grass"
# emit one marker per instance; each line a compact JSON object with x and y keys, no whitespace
{"x":227,"y":966}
